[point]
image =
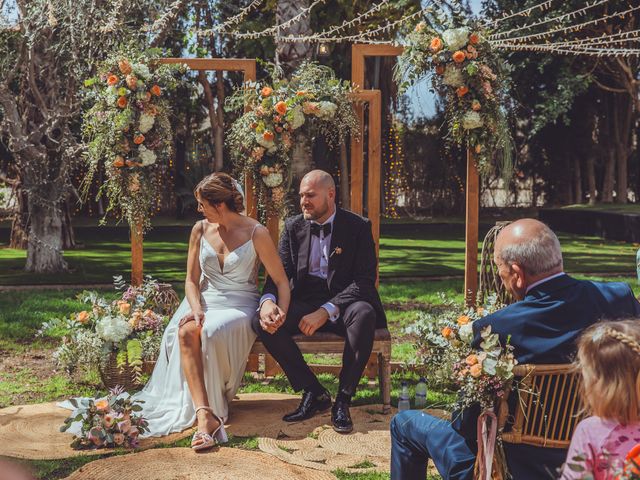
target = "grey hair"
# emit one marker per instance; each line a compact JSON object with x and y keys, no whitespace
{"x":537,"y":255}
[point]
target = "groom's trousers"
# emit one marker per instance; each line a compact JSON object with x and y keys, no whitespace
{"x":357,"y":324}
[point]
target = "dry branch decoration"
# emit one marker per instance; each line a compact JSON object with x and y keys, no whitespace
{"x":128,"y":131}
{"x":455,"y":52}
{"x":262,"y":138}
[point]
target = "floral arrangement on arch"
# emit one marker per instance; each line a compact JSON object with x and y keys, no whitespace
{"x":444,"y":351}
{"x":107,"y":423}
{"x":128,"y":132}
{"x":128,"y":327}
{"x":455,"y":52}
{"x":261,"y":140}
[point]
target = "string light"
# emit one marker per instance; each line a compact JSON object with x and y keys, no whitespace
{"x":526,"y":12}
{"x":395,"y":179}
{"x":240,"y":16}
{"x":590,"y":51}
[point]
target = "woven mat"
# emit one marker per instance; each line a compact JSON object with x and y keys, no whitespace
{"x":33,"y":432}
{"x":185,"y":464}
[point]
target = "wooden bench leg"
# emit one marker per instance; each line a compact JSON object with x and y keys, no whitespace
{"x":253,"y":364}
{"x":384,"y":376}
{"x":271,"y":367}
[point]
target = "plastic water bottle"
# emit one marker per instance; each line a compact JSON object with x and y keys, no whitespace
{"x":403,"y":400}
{"x":421,"y":393}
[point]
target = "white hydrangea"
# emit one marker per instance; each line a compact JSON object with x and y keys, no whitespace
{"x":327,"y":109}
{"x":113,"y":329}
{"x":147,"y":157}
{"x":472,"y":120}
{"x":268,"y":144}
{"x":141,"y":70}
{"x":297,"y":117}
{"x":452,"y":76}
{"x":455,"y":38}
{"x":146,"y":122}
{"x":273,"y":180}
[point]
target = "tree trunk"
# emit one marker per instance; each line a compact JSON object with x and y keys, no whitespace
{"x":609,"y":155}
{"x":20,"y":222}
{"x":345,"y":194}
{"x":301,"y":158}
{"x":577,"y":179}
{"x":622,"y":136}
{"x":219,"y":165}
{"x":289,"y":55}
{"x":44,"y":254}
{"x":591,"y":178}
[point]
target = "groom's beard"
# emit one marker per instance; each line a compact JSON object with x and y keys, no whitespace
{"x":317,"y":212}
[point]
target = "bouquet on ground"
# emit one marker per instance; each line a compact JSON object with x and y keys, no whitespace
{"x":107,"y":423}
{"x":128,"y":327}
{"x":444,"y":351}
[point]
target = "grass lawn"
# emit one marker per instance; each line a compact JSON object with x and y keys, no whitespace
{"x":419,"y":250}
{"x":607,"y":207}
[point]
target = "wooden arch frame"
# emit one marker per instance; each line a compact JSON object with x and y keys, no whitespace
{"x":248,"y":68}
{"x":359,"y":52}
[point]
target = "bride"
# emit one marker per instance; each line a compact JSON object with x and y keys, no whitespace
{"x":206,"y":344}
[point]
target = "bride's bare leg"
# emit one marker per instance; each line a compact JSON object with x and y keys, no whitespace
{"x":191,"y":362}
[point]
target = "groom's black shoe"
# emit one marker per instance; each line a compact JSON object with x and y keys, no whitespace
{"x":311,"y":404}
{"x":340,"y":417}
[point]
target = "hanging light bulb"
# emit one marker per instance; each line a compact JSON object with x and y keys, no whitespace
{"x":323,"y":50}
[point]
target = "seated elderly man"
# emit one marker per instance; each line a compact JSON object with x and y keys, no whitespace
{"x":552,"y":310}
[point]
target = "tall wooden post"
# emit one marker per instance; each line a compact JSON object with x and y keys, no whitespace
{"x":136,"y":254}
{"x":471,"y":235}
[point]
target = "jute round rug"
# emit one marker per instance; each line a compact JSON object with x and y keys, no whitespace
{"x":33,"y":432}
{"x":185,"y":464}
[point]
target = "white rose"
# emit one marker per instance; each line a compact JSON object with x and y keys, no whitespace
{"x":455,"y":38}
{"x":146,"y":122}
{"x":273,"y":180}
{"x":268,"y":144}
{"x":472,"y":120}
{"x":327,"y":109}
{"x":147,"y":157}
{"x":466,"y":333}
{"x":297,"y":117}
{"x":113,"y":329}
{"x":452,"y":77}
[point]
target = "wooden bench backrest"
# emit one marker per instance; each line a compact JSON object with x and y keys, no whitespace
{"x":548,"y":406}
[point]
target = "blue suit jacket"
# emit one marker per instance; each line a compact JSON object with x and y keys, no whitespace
{"x":544,"y":327}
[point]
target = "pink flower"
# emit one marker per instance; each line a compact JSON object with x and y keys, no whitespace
{"x":109,"y":420}
{"x":124,"y":426}
{"x":118,"y":438}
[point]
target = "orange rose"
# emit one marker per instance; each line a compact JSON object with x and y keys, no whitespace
{"x":118,"y":162}
{"x":156,"y":90}
{"x":474,"y":38}
{"x":138,"y":139}
{"x":102,"y":405}
{"x":125,"y":67}
{"x":447,"y":332}
{"x":124,"y":307}
{"x":436,"y":45}
{"x":419,"y":27}
{"x":471,"y":360}
{"x":475,"y":370}
{"x":147,"y":96}
{"x":122,"y":102}
{"x":478,"y":148}
{"x":463,"y":320}
{"x":264,"y":170}
{"x":268,"y":135}
{"x":132,"y":81}
{"x":266,"y":91}
{"x":82,"y":317}
{"x":281,"y":108}
{"x":475,"y":106}
{"x":462,"y":91}
{"x":459,"y":56}
{"x":440,"y":69}
{"x":301,"y":93}
{"x":112,"y":80}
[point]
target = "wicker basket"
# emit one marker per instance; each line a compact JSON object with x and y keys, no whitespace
{"x":167,"y":300}
{"x":113,"y":376}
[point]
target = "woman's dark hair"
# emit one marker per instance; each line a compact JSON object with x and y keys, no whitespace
{"x":220,"y":188}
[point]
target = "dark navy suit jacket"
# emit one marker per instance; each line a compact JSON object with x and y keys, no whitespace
{"x":544,"y":327}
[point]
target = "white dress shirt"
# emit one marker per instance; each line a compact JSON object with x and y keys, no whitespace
{"x":546,"y":279}
{"x":318,"y":265}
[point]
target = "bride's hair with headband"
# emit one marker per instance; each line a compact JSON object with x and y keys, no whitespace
{"x":609,"y":363}
{"x":218,"y":188}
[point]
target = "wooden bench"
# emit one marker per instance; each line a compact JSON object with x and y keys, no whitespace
{"x":323,"y":342}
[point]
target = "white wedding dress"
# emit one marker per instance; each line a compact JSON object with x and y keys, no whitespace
{"x":229,"y":297}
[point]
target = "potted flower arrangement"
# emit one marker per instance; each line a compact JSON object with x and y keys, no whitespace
{"x":128,"y":132}
{"x":455,"y":52}
{"x":120,"y":337}
{"x":261,"y":140}
{"x":107,"y":423}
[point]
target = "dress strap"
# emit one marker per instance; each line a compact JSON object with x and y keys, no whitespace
{"x":255,"y":227}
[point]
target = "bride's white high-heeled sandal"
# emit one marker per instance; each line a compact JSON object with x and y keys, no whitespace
{"x":208,"y":440}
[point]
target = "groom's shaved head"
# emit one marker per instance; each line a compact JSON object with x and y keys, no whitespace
{"x":317,"y":195}
{"x":319,"y":178}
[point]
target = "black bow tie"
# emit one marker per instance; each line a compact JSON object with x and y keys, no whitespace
{"x":316,"y":228}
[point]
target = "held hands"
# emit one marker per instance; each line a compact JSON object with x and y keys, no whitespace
{"x":271,"y":316}
{"x":312,"y":322}
{"x":193,"y":316}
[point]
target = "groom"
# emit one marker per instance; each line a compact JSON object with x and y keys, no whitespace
{"x":330,"y":259}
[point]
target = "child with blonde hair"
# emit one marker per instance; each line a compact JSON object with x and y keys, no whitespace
{"x":609,"y":362}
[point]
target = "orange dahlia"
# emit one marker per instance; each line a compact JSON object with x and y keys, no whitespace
{"x":459,"y":56}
